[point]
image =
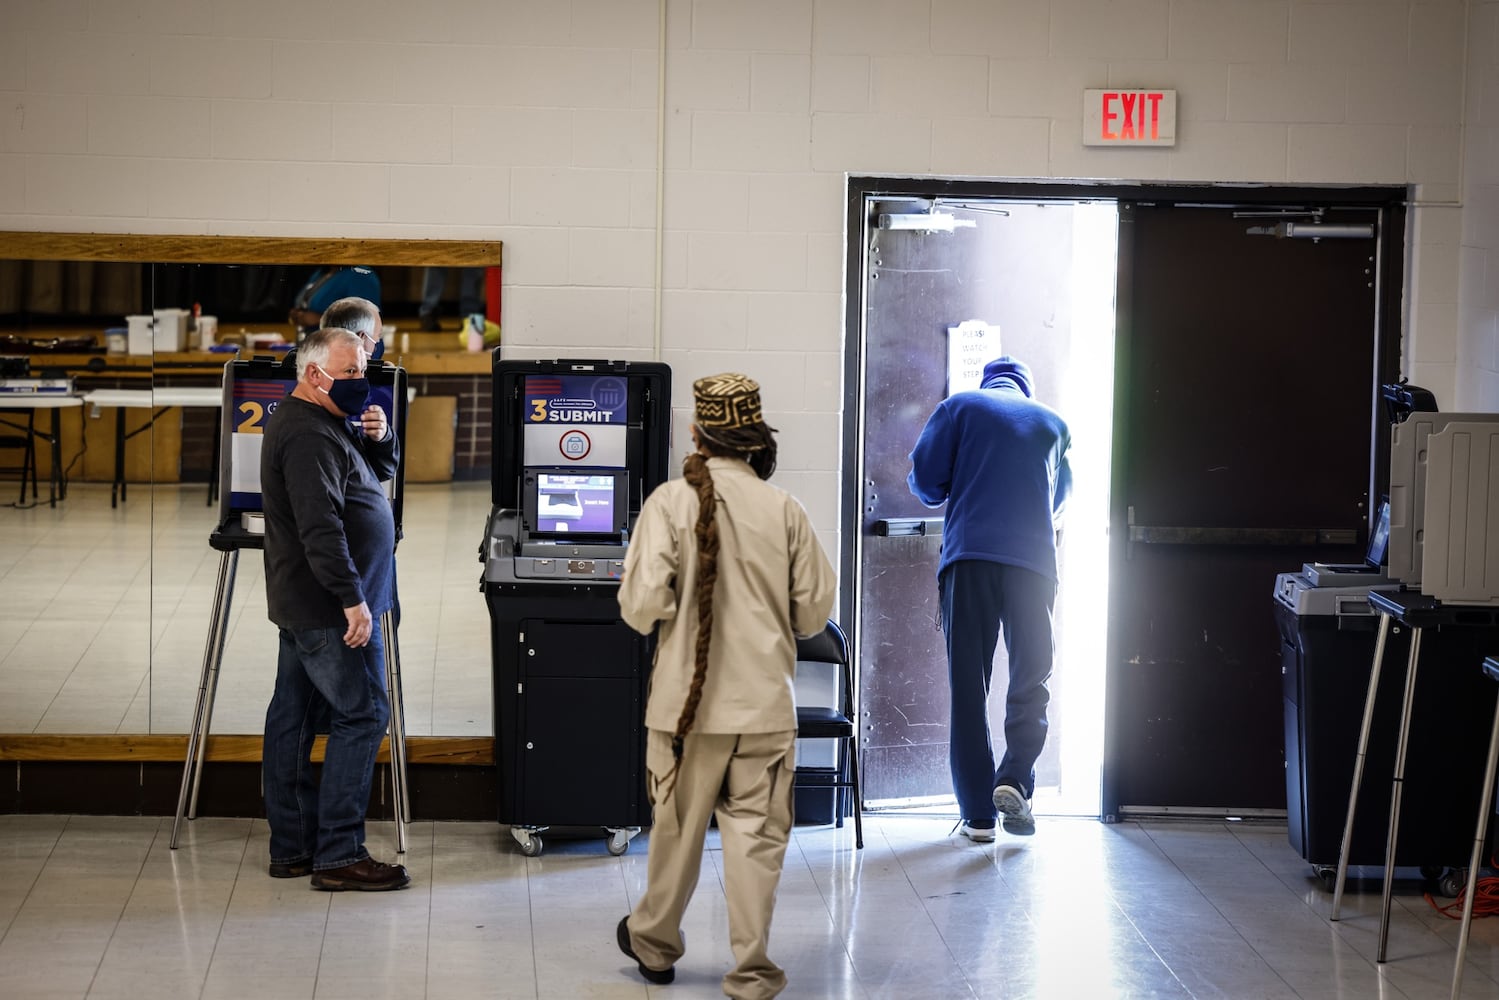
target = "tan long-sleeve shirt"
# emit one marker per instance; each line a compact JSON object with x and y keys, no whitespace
{"x":774,"y":583}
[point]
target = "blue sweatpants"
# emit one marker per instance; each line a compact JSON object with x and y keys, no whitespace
{"x":978,"y":599}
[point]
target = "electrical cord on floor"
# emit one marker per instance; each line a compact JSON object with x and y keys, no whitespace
{"x":1485,"y":898}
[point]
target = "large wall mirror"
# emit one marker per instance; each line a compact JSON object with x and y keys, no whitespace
{"x":106,"y":594}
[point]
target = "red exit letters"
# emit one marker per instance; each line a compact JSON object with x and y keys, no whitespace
{"x":1129,"y":117}
{"x":1125,"y":115}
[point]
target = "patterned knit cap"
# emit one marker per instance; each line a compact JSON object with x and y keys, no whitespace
{"x":727,"y":401}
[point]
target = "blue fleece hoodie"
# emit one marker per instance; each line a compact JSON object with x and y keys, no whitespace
{"x":998,"y":459}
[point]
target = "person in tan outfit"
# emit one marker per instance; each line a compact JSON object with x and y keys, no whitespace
{"x":730,"y":568}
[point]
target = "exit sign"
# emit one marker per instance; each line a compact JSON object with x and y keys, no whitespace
{"x":1128,"y":117}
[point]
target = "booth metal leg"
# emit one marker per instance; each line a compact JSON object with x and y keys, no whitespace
{"x":213,"y":655}
{"x":1485,"y":796}
{"x":1358,"y":763}
{"x":400,"y":795}
{"x":857,"y":791}
{"x":1397,"y":785}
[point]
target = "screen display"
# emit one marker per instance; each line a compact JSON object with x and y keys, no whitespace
{"x":576,"y":501}
{"x":1379,"y":538}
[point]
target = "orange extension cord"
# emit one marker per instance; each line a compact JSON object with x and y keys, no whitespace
{"x":1485,"y":898}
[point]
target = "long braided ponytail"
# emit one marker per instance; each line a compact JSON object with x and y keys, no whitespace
{"x":695,"y":471}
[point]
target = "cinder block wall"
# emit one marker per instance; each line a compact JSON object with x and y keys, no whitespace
{"x":536,"y":123}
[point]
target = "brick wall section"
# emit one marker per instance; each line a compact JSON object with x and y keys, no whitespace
{"x":472,"y":455}
{"x":199,"y":425}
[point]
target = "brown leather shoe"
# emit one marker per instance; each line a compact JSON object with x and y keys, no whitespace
{"x":292,"y":869}
{"x":364,"y":875}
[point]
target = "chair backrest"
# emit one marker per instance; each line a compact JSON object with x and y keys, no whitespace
{"x":830,"y":646}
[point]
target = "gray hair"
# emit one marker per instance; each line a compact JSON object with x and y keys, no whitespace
{"x":357,"y":315}
{"x":318,"y":345}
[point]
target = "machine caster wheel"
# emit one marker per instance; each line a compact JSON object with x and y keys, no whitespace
{"x":1432,"y":872}
{"x":529,"y":840}
{"x":619,"y":840}
{"x":1327,"y":875}
{"x":1451,"y":884}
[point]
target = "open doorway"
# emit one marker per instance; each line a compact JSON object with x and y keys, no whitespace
{"x":1168,"y":655}
{"x":947,"y":284}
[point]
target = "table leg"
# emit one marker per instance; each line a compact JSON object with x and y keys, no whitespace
{"x":1396,"y":787}
{"x":213,"y":465}
{"x":59,"y":484}
{"x":117,"y":488}
{"x":28,"y":456}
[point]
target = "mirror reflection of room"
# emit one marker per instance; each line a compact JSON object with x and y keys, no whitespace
{"x":106,"y":596}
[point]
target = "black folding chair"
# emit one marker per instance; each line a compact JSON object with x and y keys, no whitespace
{"x":818,"y":722}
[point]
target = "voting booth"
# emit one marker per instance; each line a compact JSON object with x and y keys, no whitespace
{"x":252,"y":389}
{"x":1434,"y":537}
{"x":578,"y":446}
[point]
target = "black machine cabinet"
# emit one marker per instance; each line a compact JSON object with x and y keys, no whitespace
{"x":569,"y":698}
{"x":578,"y":445}
{"x":1325,"y":666}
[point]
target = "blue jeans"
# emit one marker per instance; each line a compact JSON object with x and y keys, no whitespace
{"x":978,"y":599}
{"x":319,"y":679}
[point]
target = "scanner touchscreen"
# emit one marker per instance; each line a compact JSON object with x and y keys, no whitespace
{"x":576,"y":503}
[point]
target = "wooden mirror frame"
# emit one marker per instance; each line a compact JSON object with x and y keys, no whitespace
{"x":247,"y":250}
{"x":204,"y":249}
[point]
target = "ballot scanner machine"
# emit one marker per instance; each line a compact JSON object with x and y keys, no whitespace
{"x":1328,"y":633}
{"x":578,"y":445}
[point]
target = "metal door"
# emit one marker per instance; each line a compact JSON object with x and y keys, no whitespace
{"x":1246,"y":405}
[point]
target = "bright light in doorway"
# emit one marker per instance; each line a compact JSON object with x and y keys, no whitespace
{"x":1088,"y":391}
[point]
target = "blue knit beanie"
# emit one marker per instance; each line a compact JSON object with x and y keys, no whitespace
{"x":1005,"y":371}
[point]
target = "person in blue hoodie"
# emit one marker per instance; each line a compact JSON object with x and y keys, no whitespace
{"x":998,"y":458}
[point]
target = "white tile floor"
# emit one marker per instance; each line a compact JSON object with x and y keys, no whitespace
{"x":99,"y":907}
{"x":104,"y":615}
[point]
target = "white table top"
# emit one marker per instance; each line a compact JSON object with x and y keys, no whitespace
{"x":37,"y":401}
{"x":165,"y":396}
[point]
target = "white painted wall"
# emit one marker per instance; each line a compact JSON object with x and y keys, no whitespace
{"x":1476,"y":344}
{"x":534,"y":122}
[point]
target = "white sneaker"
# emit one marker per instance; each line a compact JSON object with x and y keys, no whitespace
{"x":977,"y":834}
{"x":1014,"y":811}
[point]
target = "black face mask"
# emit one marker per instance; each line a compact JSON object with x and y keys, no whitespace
{"x":348,"y":394}
{"x":378,"y":351}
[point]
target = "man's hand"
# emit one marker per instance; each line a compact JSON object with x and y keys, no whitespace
{"x":372,"y":422}
{"x":360,"y":625}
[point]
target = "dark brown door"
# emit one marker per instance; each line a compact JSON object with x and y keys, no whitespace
{"x":1245,"y":403}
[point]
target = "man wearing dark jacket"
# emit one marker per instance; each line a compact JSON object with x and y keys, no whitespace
{"x":998,"y":459}
{"x":329,"y":549}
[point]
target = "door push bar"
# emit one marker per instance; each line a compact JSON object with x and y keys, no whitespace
{"x":900,"y":527}
{"x":1156,"y":535}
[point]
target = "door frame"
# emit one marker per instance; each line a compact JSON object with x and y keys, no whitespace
{"x":1390,"y":279}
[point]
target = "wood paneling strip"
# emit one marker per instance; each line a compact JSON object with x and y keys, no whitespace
{"x":244,"y":749}
{"x":247,"y":249}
